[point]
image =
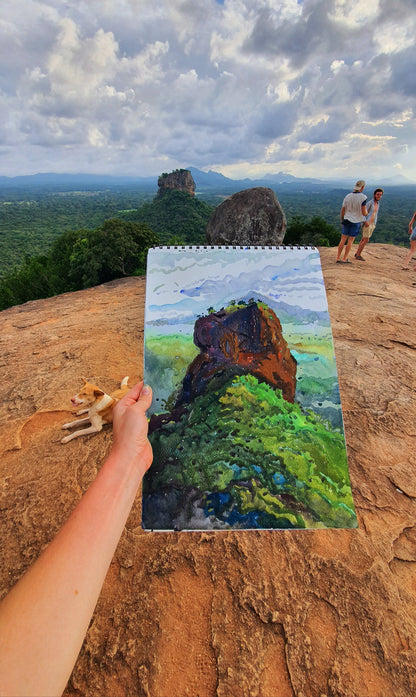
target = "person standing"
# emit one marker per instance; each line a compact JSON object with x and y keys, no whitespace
{"x":353,"y":213}
{"x":412,"y":250}
{"x":369,"y":222}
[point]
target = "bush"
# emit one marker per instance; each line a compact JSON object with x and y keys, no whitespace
{"x":315,"y":231}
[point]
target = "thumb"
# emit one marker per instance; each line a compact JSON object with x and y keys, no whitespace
{"x":145,"y":397}
{"x":139,"y":394}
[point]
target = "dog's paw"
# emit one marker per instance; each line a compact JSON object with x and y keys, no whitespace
{"x":64,"y":426}
{"x":66,"y":439}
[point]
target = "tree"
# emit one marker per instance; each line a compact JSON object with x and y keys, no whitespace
{"x":81,"y":259}
{"x":176,"y":215}
{"x":315,"y":231}
{"x":113,"y":250}
{"x":29,"y":282}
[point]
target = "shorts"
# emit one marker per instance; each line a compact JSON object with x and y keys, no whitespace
{"x":349,"y":228}
{"x":413,"y":235}
{"x":367,"y":231}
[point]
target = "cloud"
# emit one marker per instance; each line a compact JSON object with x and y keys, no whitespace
{"x":138,"y":88}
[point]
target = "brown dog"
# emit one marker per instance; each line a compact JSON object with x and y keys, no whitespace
{"x":99,"y":407}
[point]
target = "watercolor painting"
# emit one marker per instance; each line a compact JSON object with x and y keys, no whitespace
{"x":246,"y":422}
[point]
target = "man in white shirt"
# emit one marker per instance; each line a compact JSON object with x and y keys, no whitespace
{"x":353,"y":213}
{"x":370,"y":222}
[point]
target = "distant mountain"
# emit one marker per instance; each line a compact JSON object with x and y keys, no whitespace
{"x":397,"y":180}
{"x":210,"y":178}
{"x":281,"y":178}
{"x":216,"y":182}
{"x":210,"y":181}
{"x":64,"y":182}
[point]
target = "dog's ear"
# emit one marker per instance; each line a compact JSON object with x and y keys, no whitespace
{"x":98,"y":392}
{"x":84,"y":379}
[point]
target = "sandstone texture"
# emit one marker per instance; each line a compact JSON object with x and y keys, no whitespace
{"x":249,"y":217}
{"x":326,"y":613}
{"x":181,"y":180}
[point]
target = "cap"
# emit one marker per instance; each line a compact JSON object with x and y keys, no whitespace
{"x":359,"y":185}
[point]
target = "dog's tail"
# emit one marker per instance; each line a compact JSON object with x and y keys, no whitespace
{"x":124,"y":381}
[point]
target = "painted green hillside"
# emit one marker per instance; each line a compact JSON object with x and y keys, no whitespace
{"x":273,"y":465}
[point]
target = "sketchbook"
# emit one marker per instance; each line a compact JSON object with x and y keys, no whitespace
{"x":246,"y":422}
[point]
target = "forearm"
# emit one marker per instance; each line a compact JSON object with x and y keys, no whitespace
{"x":44,"y":618}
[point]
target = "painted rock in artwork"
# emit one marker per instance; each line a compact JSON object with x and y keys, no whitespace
{"x":243,"y":338}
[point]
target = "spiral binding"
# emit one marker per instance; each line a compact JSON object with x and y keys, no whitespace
{"x":244,"y":247}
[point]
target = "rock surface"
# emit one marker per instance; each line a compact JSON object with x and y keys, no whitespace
{"x":249,"y":217}
{"x":247,"y":340}
{"x":181,"y":179}
{"x":233,"y":614}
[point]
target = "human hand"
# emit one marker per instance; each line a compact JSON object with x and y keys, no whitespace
{"x":130,"y":427}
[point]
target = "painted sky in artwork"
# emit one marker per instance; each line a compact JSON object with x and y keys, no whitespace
{"x":185,"y":283}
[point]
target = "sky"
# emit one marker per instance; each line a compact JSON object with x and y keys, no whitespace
{"x":312,"y":88}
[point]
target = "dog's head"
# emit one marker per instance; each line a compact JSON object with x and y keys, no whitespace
{"x":88,"y":395}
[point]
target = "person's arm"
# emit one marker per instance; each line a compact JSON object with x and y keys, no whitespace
{"x":342,"y":213}
{"x":364,"y":210}
{"x":411,"y":222}
{"x":369,"y":218}
{"x":44,"y":618}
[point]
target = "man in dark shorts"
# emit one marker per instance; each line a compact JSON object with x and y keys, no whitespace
{"x":353,"y":212}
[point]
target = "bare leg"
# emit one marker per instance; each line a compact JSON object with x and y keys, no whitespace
{"x":410,"y":253}
{"x":348,"y":247}
{"x":341,"y":246}
{"x":361,"y":246}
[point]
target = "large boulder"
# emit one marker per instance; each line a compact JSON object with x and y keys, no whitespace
{"x":249,"y":217}
{"x":180,"y":180}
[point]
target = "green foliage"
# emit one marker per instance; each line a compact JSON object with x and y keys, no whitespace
{"x":396,"y":209}
{"x":175,"y":215}
{"x":315,"y":231}
{"x":270,"y":458}
{"x":166,"y":174}
{"x":30,"y":282}
{"x":59,"y":260}
{"x":31,"y":220}
{"x":113,"y":250}
{"x":80,"y":259}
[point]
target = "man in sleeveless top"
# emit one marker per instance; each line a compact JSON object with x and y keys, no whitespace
{"x":353,"y":213}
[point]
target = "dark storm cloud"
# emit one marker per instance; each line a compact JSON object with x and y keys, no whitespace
{"x":403,"y":72}
{"x":275,"y":121}
{"x":329,"y":131}
{"x":313,"y":33}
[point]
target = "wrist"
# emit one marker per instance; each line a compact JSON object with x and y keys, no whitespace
{"x":130,"y":460}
